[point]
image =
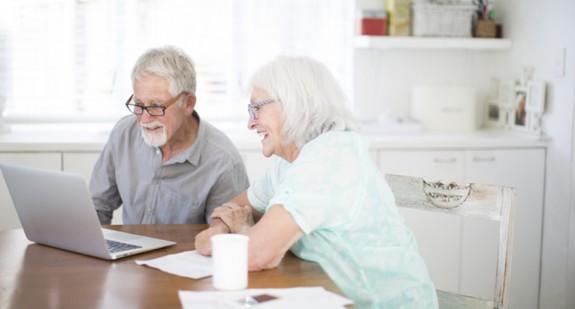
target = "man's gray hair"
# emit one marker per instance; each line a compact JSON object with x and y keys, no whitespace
{"x":169,"y":62}
{"x":312,"y":101}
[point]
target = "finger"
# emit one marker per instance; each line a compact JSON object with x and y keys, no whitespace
{"x":219,"y":212}
{"x":216,"y":213}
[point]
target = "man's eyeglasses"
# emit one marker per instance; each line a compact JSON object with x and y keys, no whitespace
{"x":153,"y":109}
{"x":254,"y":107}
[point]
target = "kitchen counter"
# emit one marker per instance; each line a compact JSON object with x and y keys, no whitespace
{"x":90,"y":138}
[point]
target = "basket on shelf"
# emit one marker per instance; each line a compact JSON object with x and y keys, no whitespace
{"x":443,"y":20}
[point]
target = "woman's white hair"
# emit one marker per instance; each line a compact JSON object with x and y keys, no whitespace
{"x":312,"y":101}
{"x":169,"y":62}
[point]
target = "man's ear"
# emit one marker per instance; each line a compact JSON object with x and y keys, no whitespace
{"x":190,"y":104}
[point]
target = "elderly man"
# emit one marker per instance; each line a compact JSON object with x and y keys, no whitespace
{"x":164,"y":164}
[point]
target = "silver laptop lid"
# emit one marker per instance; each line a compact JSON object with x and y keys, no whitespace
{"x":55,"y":209}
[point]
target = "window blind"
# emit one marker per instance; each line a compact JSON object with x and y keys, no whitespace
{"x":63,"y":60}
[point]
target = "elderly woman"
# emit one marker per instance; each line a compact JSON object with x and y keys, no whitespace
{"x":324,"y":198}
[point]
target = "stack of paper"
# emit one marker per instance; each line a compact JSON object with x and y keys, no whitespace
{"x":191,"y":264}
{"x":188,"y":264}
{"x":301,"y":298}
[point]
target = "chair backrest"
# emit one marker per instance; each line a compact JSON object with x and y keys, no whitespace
{"x":488,"y":202}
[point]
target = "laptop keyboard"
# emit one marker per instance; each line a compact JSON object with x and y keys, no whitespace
{"x":116,"y":246}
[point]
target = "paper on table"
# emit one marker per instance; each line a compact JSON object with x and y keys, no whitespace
{"x":301,"y":298}
{"x":186,"y":264}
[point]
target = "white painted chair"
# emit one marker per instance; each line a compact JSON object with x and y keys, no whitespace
{"x":489,"y":203}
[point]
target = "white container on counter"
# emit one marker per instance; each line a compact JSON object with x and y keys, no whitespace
{"x":445,"y":108}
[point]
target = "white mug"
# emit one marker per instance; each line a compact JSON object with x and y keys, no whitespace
{"x":230,"y":261}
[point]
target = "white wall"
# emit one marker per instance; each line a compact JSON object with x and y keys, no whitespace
{"x":540,"y":29}
{"x":571,"y":254}
{"x":384,"y":79}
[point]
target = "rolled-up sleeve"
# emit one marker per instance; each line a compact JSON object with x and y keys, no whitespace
{"x":263,"y":189}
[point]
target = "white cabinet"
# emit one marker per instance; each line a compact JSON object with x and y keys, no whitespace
{"x":431,"y":165}
{"x":83,"y":164}
{"x":8,"y":217}
{"x":475,"y":263}
{"x":525,"y":171}
{"x":80,"y":163}
{"x":440,"y":247}
{"x":479,"y":253}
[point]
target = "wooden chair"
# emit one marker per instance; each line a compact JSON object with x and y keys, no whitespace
{"x":488,"y":202}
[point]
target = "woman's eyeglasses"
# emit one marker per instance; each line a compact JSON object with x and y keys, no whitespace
{"x":254,"y":107}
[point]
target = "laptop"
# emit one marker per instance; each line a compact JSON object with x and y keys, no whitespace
{"x":56,"y":210}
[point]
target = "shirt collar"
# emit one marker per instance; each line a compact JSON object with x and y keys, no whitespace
{"x":192,"y":154}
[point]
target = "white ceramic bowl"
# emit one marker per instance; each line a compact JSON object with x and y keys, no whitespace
{"x":446,"y":194}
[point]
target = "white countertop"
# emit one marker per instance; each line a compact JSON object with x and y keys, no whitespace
{"x":91,"y":138}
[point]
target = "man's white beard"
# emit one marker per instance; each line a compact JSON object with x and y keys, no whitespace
{"x":154,"y":139}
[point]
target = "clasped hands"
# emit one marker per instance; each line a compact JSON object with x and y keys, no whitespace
{"x":227,"y":218}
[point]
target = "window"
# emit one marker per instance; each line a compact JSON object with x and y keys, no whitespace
{"x":71,"y":60}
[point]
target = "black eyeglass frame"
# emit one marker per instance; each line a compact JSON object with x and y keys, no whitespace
{"x":138,"y":109}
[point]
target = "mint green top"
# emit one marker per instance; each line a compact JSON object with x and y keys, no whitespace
{"x":351,"y":225}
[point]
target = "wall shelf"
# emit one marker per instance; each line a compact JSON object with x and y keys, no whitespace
{"x":415,"y":43}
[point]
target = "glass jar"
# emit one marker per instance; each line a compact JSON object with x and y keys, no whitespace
{"x":373,"y":22}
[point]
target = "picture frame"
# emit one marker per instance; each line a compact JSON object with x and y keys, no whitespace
{"x":535,"y":104}
{"x":528,"y":107}
{"x":520,"y":118}
{"x":492,"y":115}
{"x":495,"y":118}
{"x":535,"y":96}
{"x":506,"y":92}
{"x":516,"y":107}
{"x":500,"y":103}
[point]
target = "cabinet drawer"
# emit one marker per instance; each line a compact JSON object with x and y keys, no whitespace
{"x":431,"y":165}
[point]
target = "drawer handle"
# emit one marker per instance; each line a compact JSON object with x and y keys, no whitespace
{"x":483,"y":159}
{"x":444,"y":160}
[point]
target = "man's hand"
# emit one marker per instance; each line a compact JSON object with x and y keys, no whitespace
{"x":203,"y":241}
{"x":237,"y":218}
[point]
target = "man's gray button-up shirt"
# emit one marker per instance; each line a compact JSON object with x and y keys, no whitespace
{"x":185,"y":189}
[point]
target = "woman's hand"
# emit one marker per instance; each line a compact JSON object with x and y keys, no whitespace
{"x":237,"y":218}
{"x":203,"y":241}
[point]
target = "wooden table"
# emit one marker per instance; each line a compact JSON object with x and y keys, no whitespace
{"x":36,"y":276}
